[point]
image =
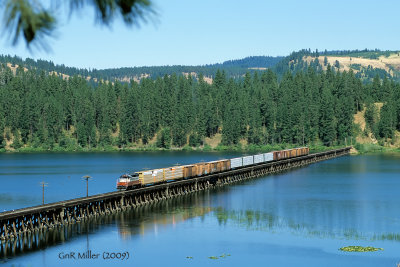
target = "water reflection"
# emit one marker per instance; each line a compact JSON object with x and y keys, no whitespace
{"x":262,"y":221}
{"x":132,"y":222}
{"x":157,"y":216}
{"x":44,"y":239}
{"x":154,"y":217}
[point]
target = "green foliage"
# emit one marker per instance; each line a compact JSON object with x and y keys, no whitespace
{"x":2,"y":141}
{"x":194,"y":140}
{"x":356,"y":66}
{"x":325,"y":61}
{"x":68,"y":143}
{"x":366,"y":53}
{"x":33,"y":22}
{"x":164,"y":138}
{"x":387,"y":122}
{"x":232,"y":68}
{"x":327,"y":117}
{"x":27,"y":20}
{"x":17,"y":140}
{"x":368,"y":148}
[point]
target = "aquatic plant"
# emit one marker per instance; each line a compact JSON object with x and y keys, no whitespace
{"x":218,"y":257}
{"x":359,"y":249}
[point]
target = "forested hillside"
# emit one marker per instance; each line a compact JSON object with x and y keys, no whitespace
{"x":366,"y":64}
{"x":233,"y":68}
{"x":46,"y":112}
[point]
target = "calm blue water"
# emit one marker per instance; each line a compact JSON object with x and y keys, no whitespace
{"x":297,"y":218}
{"x":21,"y":174}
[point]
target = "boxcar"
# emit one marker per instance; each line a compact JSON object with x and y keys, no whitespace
{"x":146,"y":177}
{"x":189,"y":171}
{"x":277,"y":155}
{"x":268,"y":156}
{"x":158,"y":175}
{"x":202,"y":168}
{"x":207,"y":168}
{"x":214,"y":167}
{"x":236,"y":163}
{"x":198,"y":167}
{"x":173,"y":173}
{"x":225,"y":164}
{"x":258,"y":158}
{"x":248,"y":160}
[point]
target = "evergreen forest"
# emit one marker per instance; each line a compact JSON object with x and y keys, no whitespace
{"x":45,"y":112}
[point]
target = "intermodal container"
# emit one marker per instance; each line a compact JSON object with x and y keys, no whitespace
{"x":268,"y":156}
{"x":146,"y":177}
{"x":236,"y":162}
{"x":173,"y":173}
{"x":258,"y":158}
{"x":248,"y":160}
{"x":158,"y":175}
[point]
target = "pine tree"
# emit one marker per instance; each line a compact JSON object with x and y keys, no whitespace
{"x":327,"y":119}
{"x":387,"y":121}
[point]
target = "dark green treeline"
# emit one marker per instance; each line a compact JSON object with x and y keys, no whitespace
{"x":44,"y":111}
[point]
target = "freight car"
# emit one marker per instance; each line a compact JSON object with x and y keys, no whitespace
{"x":150,"y":177}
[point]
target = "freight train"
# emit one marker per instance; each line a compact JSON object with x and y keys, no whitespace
{"x":150,"y":177}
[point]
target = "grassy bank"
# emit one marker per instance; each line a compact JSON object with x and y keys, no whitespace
{"x":375,"y":148}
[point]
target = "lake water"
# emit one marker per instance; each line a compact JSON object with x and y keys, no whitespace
{"x":297,"y":218}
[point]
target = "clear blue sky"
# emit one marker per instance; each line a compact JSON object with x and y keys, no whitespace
{"x":209,"y":31}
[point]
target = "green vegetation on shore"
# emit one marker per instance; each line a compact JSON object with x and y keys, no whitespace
{"x":232,"y":148}
{"x":375,"y":148}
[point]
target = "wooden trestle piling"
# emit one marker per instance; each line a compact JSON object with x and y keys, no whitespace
{"x":22,"y":223}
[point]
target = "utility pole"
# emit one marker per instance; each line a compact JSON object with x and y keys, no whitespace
{"x":87,"y":177}
{"x":43,"y":184}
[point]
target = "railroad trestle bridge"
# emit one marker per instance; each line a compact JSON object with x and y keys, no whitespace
{"x":29,"y":221}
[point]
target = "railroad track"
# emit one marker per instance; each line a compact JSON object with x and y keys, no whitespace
{"x":27,"y":221}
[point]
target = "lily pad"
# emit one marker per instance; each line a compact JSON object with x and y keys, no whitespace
{"x":359,"y":249}
{"x":189,"y":257}
{"x":213,"y":257}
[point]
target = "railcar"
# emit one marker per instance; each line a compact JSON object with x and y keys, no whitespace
{"x":128,"y":181}
{"x":165,"y":175}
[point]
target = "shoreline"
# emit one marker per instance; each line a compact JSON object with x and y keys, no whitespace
{"x":357,"y":149}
